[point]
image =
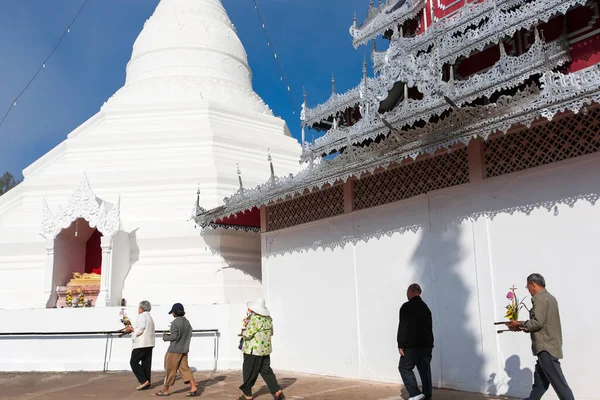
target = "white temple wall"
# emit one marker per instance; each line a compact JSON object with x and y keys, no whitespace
{"x":315,"y":327}
{"x":76,"y":353}
{"x":121,"y":261}
{"x":467,"y":246}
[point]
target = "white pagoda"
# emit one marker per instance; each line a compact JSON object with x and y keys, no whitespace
{"x":112,"y":203}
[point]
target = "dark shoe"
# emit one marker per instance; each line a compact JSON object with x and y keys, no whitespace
{"x":280,"y":397}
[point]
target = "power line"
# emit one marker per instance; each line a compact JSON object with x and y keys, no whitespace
{"x":283,"y":77}
{"x":43,"y":66}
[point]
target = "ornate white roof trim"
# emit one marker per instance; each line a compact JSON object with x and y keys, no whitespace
{"x":559,"y":93}
{"x":508,"y":72}
{"x":83,"y":203}
{"x":336,"y":103}
{"x":215,"y":226}
{"x":455,"y":36}
{"x":384,"y":16}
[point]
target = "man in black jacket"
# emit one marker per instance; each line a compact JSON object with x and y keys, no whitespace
{"x":415,"y":344}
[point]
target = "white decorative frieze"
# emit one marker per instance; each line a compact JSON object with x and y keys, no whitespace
{"x":477,"y":25}
{"x":83,"y":203}
{"x":559,"y":93}
{"x":385,"y":17}
{"x":508,"y":72}
{"x":419,"y":60}
{"x":335,"y":104}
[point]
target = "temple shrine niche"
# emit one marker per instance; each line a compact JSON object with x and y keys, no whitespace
{"x":87,"y":255}
{"x":78,"y":263}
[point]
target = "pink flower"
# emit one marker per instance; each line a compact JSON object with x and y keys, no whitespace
{"x":510,"y":295}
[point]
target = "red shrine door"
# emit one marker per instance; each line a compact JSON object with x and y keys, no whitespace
{"x":93,"y":254}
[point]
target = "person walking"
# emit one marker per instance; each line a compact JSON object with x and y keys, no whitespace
{"x":143,"y":344}
{"x":415,"y":344}
{"x":257,"y":347}
{"x":176,"y":358}
{"x":546,"y":340}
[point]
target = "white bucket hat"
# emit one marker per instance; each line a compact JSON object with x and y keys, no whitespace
{"x":259,"y":307}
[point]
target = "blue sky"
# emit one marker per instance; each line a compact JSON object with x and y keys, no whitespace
{"x":311,"y":38}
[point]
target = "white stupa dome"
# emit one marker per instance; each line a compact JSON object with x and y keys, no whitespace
{"x":188,"y":52}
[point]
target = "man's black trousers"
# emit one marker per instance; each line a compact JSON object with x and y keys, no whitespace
{"x":141,"y":363}
{"x":420,"y":358}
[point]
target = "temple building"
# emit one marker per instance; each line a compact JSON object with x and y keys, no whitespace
{"x":467,"y":160}
{"x":104,"y":218}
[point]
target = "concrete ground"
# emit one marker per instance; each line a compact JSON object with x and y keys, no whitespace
{"x":213,"y":385}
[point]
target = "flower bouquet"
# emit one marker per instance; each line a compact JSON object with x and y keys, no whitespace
{"x":512,"y":309}
{"x":125,"y":321}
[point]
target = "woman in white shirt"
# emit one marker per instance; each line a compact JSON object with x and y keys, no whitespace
{"x":143,"y":343}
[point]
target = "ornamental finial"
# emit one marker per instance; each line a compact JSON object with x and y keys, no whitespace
{"x":270,"y":159}
{"x":364,"y":68}
{"x":304,"y":94}
{"x":354,"y":23}
{"x":198,"y":198}
{"x":370,"y":4}
{"x":239,"y":176}
{"x":332,"y":84}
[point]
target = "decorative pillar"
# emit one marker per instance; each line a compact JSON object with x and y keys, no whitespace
{"x":263,"y":218}
{"x":348,"y":197}
{"x":476,"y":163}
{"x":104,"y":297}
{"x":49,"y":289}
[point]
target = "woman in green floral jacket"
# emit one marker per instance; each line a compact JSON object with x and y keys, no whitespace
{"x":257,"y":332}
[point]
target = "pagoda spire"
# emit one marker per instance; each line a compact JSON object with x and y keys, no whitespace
{"x":239,"y":172}
{"x":364,"y":68}
{"x":354,"y":20}
{"x":304,"y":107}
{"x":270,"y":159}
{"x":332,"y":84}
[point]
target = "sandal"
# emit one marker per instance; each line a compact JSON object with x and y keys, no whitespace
{"x":192,"y":394}
{"x":280,"y":397}
{"x":161,"y":393}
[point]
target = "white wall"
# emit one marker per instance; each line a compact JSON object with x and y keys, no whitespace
{"x":68,"y":353}
{"x":121,"y":262}
{"x":336,"y":311}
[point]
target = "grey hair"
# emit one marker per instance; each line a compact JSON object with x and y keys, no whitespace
{"x":145,"y":305}
{"x":538,"y":279}
{"x":415,"y":288}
